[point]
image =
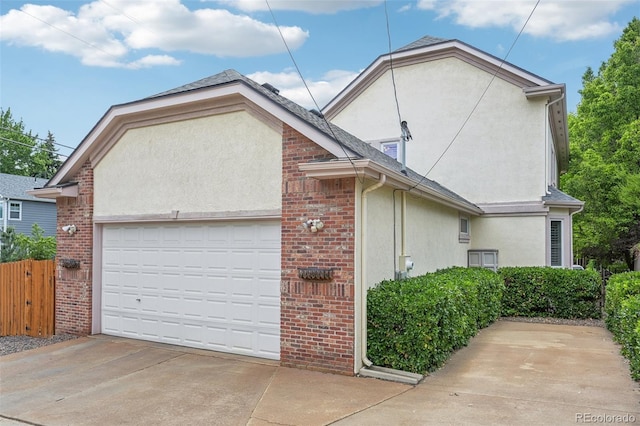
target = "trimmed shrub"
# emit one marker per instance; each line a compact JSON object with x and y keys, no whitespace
{"x":629,"y":334}
{"x":622,"y":308}
{"x":550,"y":292}
{"x":619,"y":288}
{"x":415,"y":324}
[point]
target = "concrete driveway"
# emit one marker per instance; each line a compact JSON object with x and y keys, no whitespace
{"x":511,"y":373}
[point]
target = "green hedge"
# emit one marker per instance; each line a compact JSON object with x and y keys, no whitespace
{"x":622,"y":307}
{"x":550,"y":292}
{"x":415,"y":324}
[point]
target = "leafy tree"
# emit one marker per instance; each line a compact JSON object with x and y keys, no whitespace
{"x":15,"y":145}
{"x":21,"y":153}
{"x":604,"y":170}
{"x":9,"y":246}
{"x":19,"y":246}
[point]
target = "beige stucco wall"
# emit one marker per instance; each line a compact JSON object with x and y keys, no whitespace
{"x":431,"y":236}
{"x":520,"y":240}
{"x":220,"y":163}
{"x":499,"y":156}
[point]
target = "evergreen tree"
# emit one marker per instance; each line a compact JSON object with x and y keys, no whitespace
{"x":16,"y":146}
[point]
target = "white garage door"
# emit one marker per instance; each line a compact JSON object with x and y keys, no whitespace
{"x":204,"y":285}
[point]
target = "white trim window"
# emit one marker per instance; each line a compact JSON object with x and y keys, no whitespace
{"x":464,"y":235}
{"x":15,"y":210}
{"x":392,"y":149}
{"x":555,"y":243}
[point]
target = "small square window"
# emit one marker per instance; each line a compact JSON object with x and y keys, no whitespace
{"x":390,"y":148}
{"x":464,"y":231}
{"x":15,"y":210}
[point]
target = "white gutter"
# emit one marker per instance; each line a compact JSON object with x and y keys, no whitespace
{"x":370,"y":370}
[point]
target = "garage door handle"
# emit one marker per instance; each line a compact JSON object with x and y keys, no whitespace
{"x":137,"y":300}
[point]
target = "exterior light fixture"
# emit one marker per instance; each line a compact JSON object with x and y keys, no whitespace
{"x":71,"y":229}
{"x":313,"y":225}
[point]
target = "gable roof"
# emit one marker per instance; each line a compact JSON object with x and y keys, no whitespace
{"x":430,"y":48}
{"x":340,"y":143}
{"x":15,"y":187}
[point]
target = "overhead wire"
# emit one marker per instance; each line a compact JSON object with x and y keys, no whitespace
{"x":69,"y":34}
{"x":475,"y":107}
{"x":360,"y":179}
{"x":36,"y":137}
{"x":393,"y":77}
{"x":31,"y":146}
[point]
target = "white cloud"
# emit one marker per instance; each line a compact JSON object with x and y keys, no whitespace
{"x":560,"y":20}
{"x":107,"y":33}
{"x":291,"y":86}
{"x":309,"y":6}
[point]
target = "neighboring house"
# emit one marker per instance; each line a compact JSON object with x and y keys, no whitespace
{"x":492,"y":132}
{"x":220,"y":215}
{"x":20,"y":210}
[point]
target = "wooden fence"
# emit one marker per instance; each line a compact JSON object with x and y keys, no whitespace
{"x":27,"y":298}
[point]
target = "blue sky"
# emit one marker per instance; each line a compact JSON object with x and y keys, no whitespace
{"x":64,"y":63}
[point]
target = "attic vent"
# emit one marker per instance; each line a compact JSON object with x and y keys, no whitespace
{"x":271,"y":88}
{"x":316,"y":112}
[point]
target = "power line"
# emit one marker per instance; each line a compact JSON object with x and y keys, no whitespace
{"x":361,"y":180}
{"x":393,"y":77}
{"x":473,"y":110}
{"x":31,"y":146}
{"x":69,"y":34}
{"x":35,"y":137}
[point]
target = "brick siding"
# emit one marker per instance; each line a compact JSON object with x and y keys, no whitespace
{"x":74,"y":286}
{"x":316,"y":317}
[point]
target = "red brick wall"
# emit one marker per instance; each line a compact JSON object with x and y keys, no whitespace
{"x":73,"y":286}
{"x":317,"y":317}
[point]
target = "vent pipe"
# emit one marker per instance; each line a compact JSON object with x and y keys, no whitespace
{"x":406,"y":135}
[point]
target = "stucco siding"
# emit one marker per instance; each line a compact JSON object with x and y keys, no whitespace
{"x":498,"y":156}
{"x":520,"y":240}
{"x":431,"y":236}
{"x":227,"y":162}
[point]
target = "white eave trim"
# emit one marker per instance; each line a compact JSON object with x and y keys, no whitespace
{"x":55,"y":192}
{"x":435,"y":51}
{"x":337,"y":169}
{"x":136,"y":111}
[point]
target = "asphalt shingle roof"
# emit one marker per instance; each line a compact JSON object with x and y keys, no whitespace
{"x":347,"y":140}
{"x":423,"y":42}
{"x":15,"y":187}
{"x":557,"y":196}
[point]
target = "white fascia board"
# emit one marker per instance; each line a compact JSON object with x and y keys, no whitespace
{"x":379,"y":65}
{"x":367,"y":168}
{"x":55,"y":192}
{"x":118,"y":115}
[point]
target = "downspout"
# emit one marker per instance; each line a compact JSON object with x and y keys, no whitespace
{"x":571,"y":216}
{"x":370,"y":370}
{"x":363,"y":267}
{"x":5,"y":213}
{"x":546,"y":142}
{"x":403,"y":225}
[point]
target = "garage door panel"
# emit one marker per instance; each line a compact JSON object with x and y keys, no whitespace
{"x":214,"y":286}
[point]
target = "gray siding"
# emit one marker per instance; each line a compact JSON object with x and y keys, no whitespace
{"x":42,"y":213}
